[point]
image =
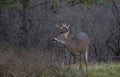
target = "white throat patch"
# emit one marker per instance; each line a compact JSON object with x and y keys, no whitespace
{"x":61,"y":41}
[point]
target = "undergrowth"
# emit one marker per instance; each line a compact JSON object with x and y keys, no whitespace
{"x":35,"y":64}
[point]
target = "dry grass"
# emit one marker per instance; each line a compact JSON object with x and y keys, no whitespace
{"x":35,"y":64}
{"x":31,"y":64}
{"x":25,"y":64}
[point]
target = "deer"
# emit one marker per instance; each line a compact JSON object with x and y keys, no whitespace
{"x":77,"y":46}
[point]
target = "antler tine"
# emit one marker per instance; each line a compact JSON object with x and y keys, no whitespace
{"x":57,"y":25}
{"x":62,"y":24}
{"x":65,"y":25}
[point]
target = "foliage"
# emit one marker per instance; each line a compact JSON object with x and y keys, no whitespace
{"x":10,"y":4}
{"x":87,"y":3}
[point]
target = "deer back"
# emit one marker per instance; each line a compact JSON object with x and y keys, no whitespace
{"x":78,"y":44}
{"x":83,"y":42}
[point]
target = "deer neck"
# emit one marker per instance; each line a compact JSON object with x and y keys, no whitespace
{"x":67,"y":40}
{"x":71,"y":46}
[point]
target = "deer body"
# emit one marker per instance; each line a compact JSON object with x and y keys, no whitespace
{"x":77,"y":46}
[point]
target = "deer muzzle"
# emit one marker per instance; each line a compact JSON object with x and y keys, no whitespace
{"x":55,"y":39}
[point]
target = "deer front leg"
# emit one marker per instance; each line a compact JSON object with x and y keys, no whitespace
{"x":80,"y":68}
{"x":71,"y":61}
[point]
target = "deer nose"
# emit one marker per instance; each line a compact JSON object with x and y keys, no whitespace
{"x":54,"y":39}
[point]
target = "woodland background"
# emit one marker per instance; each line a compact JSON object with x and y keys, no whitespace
{"x":29,"y":26}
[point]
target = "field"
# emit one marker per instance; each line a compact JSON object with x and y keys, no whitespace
{"x":36,"y":65}
{"x":105,"y":70}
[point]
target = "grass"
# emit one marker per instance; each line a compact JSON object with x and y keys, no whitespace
{"x":105,"y":70}
{"x":97,"y":70}
{"x":35,"y":64}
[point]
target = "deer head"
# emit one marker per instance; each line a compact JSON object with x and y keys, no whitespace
{"x":64,"y":31}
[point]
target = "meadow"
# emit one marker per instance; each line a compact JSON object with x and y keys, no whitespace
{"x":33,"y":64}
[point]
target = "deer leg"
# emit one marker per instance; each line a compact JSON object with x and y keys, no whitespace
{"x":80,"y":68}
{"x":86,"y":62}
{"x":71,"y":61}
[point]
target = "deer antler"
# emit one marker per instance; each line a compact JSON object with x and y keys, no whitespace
{"x":65,"y":25}
{"x":59,"y":27}
{"x":63,"y":28}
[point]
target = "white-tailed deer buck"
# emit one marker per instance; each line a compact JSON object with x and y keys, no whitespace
{"x":77,"y":46}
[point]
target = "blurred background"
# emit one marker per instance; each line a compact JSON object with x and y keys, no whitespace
{"x":29,"y":26}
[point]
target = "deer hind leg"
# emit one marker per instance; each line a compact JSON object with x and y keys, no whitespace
{"x":80,"y":68}
{"x":86,"y":62}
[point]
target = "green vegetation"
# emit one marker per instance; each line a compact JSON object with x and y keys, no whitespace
{"x":87,"y":3}
{"x":102,"y":70}
{"x":10,"y":4}
{"x":98,"y":70}
{"x":105,"y":70}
